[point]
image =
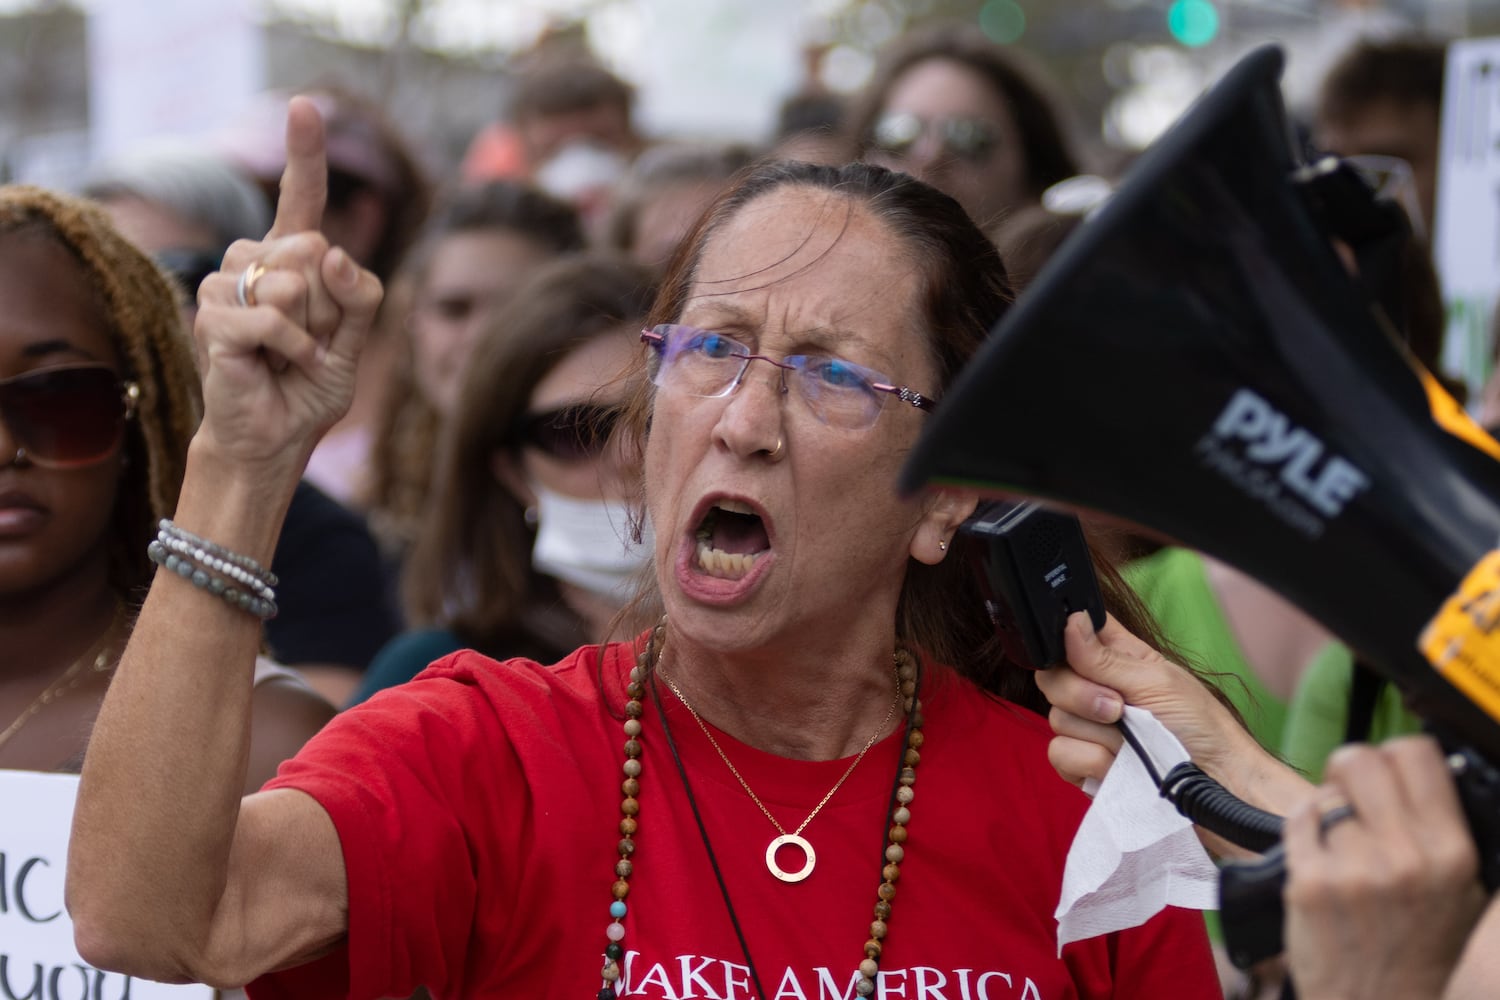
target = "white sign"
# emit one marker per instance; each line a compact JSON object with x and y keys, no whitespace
{"x":37,"y":958}
{"x":168,"y":68}
{"x":1466,"y":244}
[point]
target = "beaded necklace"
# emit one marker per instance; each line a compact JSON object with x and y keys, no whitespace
{"x":898,"y":816}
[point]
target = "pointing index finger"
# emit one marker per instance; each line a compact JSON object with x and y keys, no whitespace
{"x":304,"y":182}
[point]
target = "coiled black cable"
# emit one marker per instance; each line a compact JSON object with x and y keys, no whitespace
{"x":1209,"y":804}
{"x":1212,"y":806}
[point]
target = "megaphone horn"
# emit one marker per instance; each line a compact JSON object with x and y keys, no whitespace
{"x":1198,"y":360}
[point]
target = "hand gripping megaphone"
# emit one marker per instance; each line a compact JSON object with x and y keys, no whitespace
{"x":1197,"y":359}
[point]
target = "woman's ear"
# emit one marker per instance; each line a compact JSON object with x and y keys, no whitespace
{"x":946,"y":510}
{"x":505,"y":466}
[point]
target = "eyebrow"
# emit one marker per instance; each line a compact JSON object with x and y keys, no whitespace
{"x":42,"y":348}
{"x":820,"y":336}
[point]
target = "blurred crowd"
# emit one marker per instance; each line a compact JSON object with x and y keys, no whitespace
{"x":471,"y":496}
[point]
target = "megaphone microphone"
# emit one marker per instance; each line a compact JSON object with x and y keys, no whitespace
{"x":1198,"y":360}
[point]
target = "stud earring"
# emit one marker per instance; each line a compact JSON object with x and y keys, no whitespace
{"x":942,"y":545}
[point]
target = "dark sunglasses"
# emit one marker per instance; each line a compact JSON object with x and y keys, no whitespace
{"x":189,"y":267}
{"x":63,"y":418}
{"x":568,"y":433}
{"x":964,"y":138}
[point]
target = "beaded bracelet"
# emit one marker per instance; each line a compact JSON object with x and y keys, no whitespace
{"x":261,"y":585}
{"x":261,"y":607}
{"x":167,"y":526}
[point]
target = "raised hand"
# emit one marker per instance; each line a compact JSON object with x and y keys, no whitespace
{"x":280,"y":327}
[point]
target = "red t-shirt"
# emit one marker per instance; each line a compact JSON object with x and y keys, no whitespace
{"x":478,"y":809}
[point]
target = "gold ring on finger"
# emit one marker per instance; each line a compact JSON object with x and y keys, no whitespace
{"x":244,"y":291}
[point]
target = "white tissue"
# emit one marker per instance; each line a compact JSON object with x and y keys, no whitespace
{"x":1134,"y":853}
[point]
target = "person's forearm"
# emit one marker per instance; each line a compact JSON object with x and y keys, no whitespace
{"x":1259,"y":778}
{"x":166,"y":763}
{"x":1478,"y":967}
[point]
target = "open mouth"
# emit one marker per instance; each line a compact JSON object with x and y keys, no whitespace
{"x":730,"y":538}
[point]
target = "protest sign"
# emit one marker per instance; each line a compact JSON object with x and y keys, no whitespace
{"x":37,"y":957}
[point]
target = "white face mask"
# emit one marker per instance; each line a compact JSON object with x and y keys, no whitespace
{"x":587,"y":543}
{"x":580,"y":169}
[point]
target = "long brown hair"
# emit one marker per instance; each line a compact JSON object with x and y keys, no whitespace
{"x":964,"y":291}
{"x":406,"y":434}
{"x":140,"y":305}
{"x":470,"y":568}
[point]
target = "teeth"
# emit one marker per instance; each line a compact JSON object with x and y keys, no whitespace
{"x":735,"y":506}
{"x":725,"y":565}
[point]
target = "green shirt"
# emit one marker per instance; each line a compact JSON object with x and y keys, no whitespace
{"x":1319,"y":712}
{"x":1174,"y":586}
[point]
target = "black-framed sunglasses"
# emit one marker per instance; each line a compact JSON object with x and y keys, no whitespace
{"x":568,"y":433}
{"x":970,"y":139}
{"x":68,"y":417}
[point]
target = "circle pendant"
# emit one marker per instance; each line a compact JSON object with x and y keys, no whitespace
{"x":808,"y":853}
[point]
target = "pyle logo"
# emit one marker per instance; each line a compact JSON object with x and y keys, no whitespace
{"x":1325,"y":481}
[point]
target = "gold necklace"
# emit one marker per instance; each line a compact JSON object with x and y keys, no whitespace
{"x":70,"y":678}
{"x":795,"y":838}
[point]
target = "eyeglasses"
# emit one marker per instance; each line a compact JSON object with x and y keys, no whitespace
{"x":64,"y":418}
{"x":568,"y":433}
{"x":839,"y":393}
{"x":189,"y":266}
{"x":964,"y":138}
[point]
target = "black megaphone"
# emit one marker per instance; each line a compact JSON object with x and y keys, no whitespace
{"x":1198,"y":360}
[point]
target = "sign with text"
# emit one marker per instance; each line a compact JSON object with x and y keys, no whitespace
{"x":1466,"y":243}
{"x":37,"y":958}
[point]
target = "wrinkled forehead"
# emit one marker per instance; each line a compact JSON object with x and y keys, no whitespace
{"x":799,"y":238}
{"x":816,"y":269}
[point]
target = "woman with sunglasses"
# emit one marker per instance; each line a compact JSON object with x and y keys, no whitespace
{"x":778,"y":789}
{"x":954,"y":109}
{"x":98,"y":401}
{"x":525,"y":548}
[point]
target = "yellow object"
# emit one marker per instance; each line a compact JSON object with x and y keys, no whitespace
{"x":1461,"y":640}
{"x":1450,"y":416}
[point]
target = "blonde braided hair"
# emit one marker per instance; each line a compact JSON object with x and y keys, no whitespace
{"x":141,"y":306}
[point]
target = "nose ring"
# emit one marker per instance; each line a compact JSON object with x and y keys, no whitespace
{"x":775,"y":454}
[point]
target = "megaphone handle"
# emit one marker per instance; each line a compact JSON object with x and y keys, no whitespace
{"x":1250,"y":904}
{"x":1478,"y":784}
{"x":1250,"y":908}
